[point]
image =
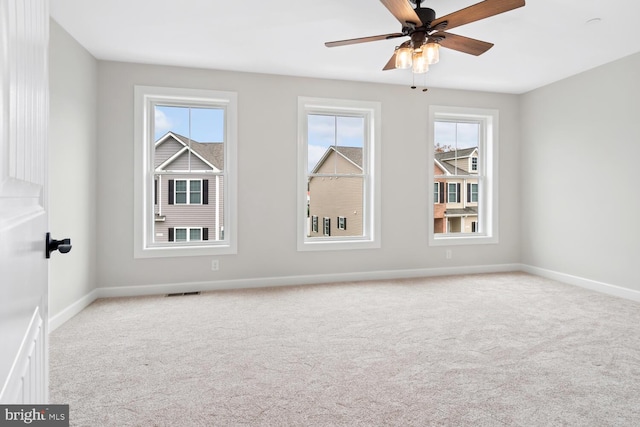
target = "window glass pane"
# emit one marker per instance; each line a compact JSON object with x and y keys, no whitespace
{"x":181,"y":192}
{"x":181,"y":234}
{"x":195,"y":234}
{"x":474,"y":193}
{"x":456,"y":153}
{"x":332,"y":133}
{"x":194,"y":195}
{"x":335,"y":148}
{"x":189,"y":142}
{"x":451,"y":196}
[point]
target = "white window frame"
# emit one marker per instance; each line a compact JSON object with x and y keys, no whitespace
{"x":372,"y":112}
{"x":487,"y":169}
{"x":145,"y":99}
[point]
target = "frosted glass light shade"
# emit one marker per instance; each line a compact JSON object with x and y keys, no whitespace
{"x":404,"y":57}
{"x":420,"y":64}
{"x":431,"y":51}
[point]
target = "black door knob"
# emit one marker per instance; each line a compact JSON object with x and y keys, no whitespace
{"x":63,"y":245}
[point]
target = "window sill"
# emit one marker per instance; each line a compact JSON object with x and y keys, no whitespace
{"x":465,"y":239}
{"x":336,"y":245}
{"x":172,"y":252}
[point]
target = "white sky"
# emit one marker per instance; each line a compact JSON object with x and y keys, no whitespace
{"x":457,"y":135}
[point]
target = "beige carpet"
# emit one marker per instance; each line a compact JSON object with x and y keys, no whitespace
{"x":481,"y":350}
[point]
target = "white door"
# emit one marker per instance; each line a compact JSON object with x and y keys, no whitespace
{"x":24,"y":35}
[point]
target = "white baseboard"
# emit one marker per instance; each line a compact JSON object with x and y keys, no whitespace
{"x":58,"y":319}
{"x":130,"y":291}
{"x":593,"y":285}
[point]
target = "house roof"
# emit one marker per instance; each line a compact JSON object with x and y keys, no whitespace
{"x":352,"y":154}
{"x":442,"y":158}
{"x":212,"y":152}
{"x":455,"y":154}
{"x":471,"y":210}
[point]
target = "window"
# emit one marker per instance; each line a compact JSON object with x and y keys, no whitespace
{"x":183,"y":197}
{"x":185,"y":157}
{"x":453,"y":194}
{"x":342,"y":223}
{"x":464,"y":159}
{"x":472,"y":192}
{"x":187,"y":234}
{"x":338,"y":173}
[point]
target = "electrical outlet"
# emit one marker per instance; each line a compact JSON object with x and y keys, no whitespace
{"x":215,"y":265}
{"x":448,"y":253}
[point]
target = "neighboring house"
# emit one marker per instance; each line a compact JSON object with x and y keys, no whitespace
{"x":335,"y":203}
{"x":188,"y":194}
{"x":456,"y":199}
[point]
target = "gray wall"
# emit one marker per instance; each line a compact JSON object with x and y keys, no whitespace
{"x":580,"y":162}
{"x":72,"y":168}
{"x":267,"y":179}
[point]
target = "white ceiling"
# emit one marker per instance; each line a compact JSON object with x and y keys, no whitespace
{"x":540,"y":43}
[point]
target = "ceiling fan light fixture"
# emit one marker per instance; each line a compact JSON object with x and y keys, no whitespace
{"x":431,"y":51}
{"x":404,"y":57}
{"x":420,"y":63}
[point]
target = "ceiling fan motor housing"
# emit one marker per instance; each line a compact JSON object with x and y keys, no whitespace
{"x":426,"y":15}
{"x":419,"y":34}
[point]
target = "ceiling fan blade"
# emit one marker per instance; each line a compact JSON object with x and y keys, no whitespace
{"x":391,"y":65}
{"x":403,"y":11}
{"x":478,"y":11}
{"x":463,"y":44}
{"x":363,"y":39}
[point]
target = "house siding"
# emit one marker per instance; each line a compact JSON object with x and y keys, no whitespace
{"x":444,"y":220}
{"x":334,"y":197}
{"x":188,"y":162}
{"x":167,"y":214}
{"x":209,"y":215}
{"x":165,"y":150}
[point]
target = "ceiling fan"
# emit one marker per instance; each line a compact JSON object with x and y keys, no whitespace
{"x":427,"y":33}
